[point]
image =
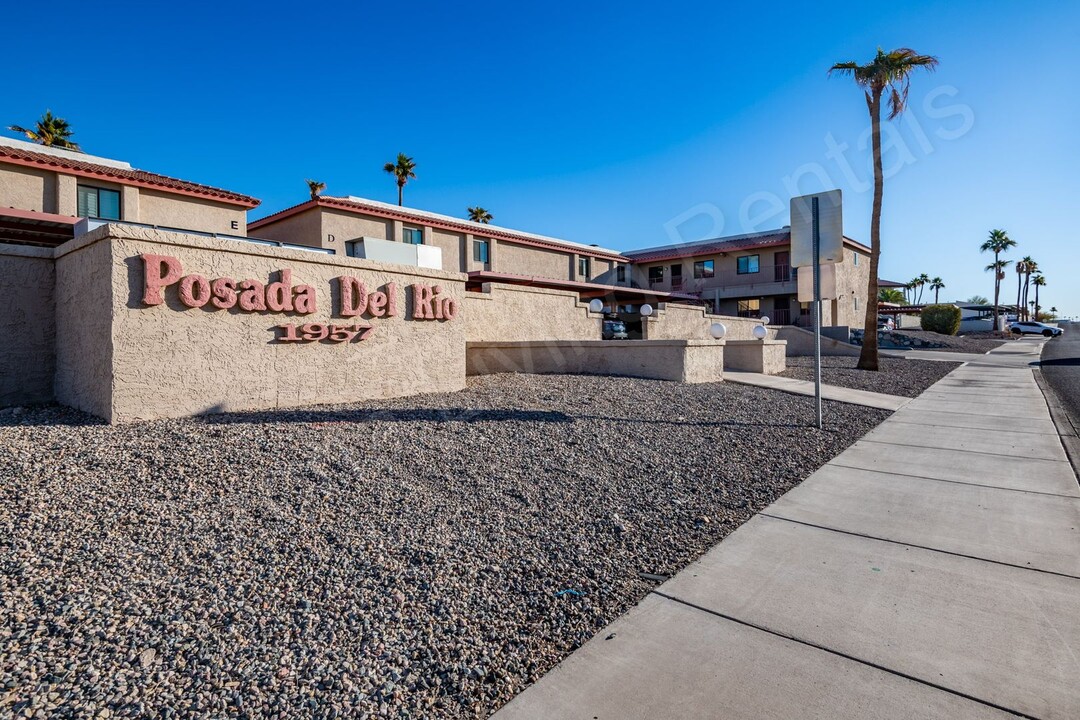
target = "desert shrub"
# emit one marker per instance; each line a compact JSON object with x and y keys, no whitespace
{"x":942,"y":319}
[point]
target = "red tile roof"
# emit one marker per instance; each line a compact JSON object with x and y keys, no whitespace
{"x":721,"y":245}
{"x":123,"y":176}
{"x":442,"y":222}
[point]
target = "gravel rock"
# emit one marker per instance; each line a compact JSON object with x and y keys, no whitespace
{"x":895,"y":376}
{"x":969,"y":343}
{"x":421,"y":557}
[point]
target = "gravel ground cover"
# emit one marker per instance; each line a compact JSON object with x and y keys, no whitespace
{"x":969,"y":343}
{"x":422,"y":557}
{"x":896,"y":376}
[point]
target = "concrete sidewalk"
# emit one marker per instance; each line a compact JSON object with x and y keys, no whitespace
{"x":829,"y":392}
{"x":926,"y":572}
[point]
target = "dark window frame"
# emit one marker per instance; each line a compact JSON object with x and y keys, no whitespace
{"x":482,"y":251}
{"x":407,"y":232}
{"x":749,"y":311}
{"x":701,"y":272}
{"x":656,"y":275}
{"x":98,"y":190}
{"x":739,"y":270}
{"x":584,"y":266}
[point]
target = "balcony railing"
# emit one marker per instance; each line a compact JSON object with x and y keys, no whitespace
{"x":769,"y":280}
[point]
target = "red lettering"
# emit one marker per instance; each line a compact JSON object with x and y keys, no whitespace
{"x":422,"y":303}
{"x":224,"y":290}
{"x":252,"y":298}
{"x":377,"y":304}
{"x":159,"y":271}
{"x":353,"y":296}
{"x":450,"y":308}
{"x":194,"y":291}
{"x":304,"y":299}
{"x":391,"y":299}
{"x":279,"y":294}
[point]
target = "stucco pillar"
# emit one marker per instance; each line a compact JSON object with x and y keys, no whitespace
{"x":493,"y":250}
{"x":428,"y":239}
{"x":398,"y":231}
{"x":67,"y":195}
{"x":129,"y":204}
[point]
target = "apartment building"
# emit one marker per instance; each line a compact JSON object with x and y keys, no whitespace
{"x":45,"y":190}
{"x":750,"y":275}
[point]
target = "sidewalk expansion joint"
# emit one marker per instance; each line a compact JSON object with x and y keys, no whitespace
{"x":963,"y":450}
{"x":932,"y":425}
{"x":846,"y":656}
{"x":955,"y":482}
{"x":921,"y":547}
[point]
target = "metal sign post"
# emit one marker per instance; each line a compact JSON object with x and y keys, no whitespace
{"x":817,"y":237}
{"x":817,"y":310}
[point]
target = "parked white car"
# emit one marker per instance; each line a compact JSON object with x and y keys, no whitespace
{"x":1035,"y":328}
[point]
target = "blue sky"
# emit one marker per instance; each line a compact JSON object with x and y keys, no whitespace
{"x":623,"y":124}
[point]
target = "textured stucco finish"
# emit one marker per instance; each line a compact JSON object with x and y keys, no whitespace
{"x":27,"y":353}
{"x":760,"y":356}
{"x":687,"y":361}
{"x":169,"y":360}
{"x":180,"y":211}
{"x":27,"y":189}
{"x":518,"y":313}
{"x":801,"y":342}
{"x":54,"y":192}
{"x":673,"y":321}
{"x":84,"y":317}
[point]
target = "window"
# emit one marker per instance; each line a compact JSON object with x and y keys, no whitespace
{"x":99,"y":203}
{"x":620,"y":273}
{"x":412,"y":236}
{"x":703,"y":269}
{"x":750,"y":308}
{"x":656,"y":275}
{"x":747,"y":264}
{"x":481,"y":250}
{"x":583,"y":267}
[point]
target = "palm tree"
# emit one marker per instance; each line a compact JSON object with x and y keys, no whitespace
{"x":891,"y":295}
{"x":1030,"y":267}
{"x":49,"y":130}
{"x":403,"y":170}
{"x":480,"y":215}
{"x":922,"y":280}
{"x":1038,"y":281}
{"x":937,"y":285}
{"x":978,"y":300}
{"x":1021,"y":268}
{"x":911,"y":285}
{"x":998,"y":243}
{"x":315,"y":187}
{"x":889,"y":72}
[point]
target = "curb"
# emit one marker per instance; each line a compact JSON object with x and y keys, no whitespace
{"x":1067,"y":429}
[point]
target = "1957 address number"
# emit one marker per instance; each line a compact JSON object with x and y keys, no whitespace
{"x":314,"y":332}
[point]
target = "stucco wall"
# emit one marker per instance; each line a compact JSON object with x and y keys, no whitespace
{"x":757,"y":356}
{"x":173,"y":360}
{"x":301,"y":229}
{"x":515,"y":312}
{"x":178,"y":211}
{"x":27,"y":189}
{"x":453,"y":249}
{"x":533,"y":261}
{"x":84,"y":315}
{"x":27,"y":352}
{"x":686,"y":361}
{"x":673,"y":321}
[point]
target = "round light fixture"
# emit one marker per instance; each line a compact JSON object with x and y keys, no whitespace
{"x":765,"y":320}
{"x":646,"y":310}
{"x":760,"y":332}
{"x":596,"y":305}
{"x":717,"y":330}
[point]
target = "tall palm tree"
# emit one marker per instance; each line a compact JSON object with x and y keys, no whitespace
{"x":1038,"y":281}
{"x":1030,"y":267}
{"x":937,"y":285}
{"x":480,"y":215}
{"x":910,"y":286}
{"x":403,"y":170}
{"x":887,"y":73}
{"x":315,"y":187}
{"x":1021,"y":268}
{"x":49,"y":130}
{"x":922,"y":280}
{"x":997,"y":243}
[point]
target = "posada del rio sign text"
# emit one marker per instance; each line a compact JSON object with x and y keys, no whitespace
{"x":355,"y":299}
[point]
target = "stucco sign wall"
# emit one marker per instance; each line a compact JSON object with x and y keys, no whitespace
{"x":155,"y":324}
{"x":283,"y":296}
